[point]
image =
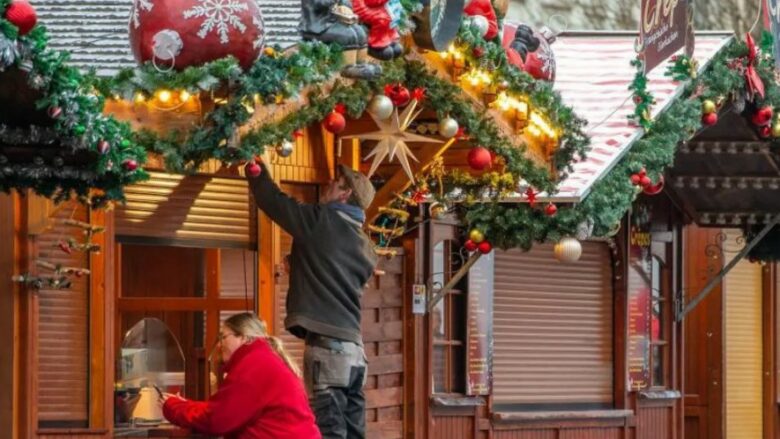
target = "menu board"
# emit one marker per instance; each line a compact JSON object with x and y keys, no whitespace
{"x":663,"y":30}
{"x":639,"y":297}
{"x":480,"y":326}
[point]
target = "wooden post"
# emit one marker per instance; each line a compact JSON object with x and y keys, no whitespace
{"x":8,"y":266}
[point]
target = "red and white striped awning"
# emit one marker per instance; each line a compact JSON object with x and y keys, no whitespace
{"x":593,"y":74}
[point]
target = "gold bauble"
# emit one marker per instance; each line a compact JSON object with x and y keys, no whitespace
{"x":776,"y":129}
{"x":568,"y":249}
{"x":708,"y":106}
{"x":476,"y":236}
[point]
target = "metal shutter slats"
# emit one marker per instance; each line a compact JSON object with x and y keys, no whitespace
{"x":553,"y":327}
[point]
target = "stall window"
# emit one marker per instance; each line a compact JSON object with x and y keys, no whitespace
{"x":448,"y":322}
{"x":188,"y":290}
{"x":62,"y":327}
{"x":553,"y":330}
{"x":660,"y":309}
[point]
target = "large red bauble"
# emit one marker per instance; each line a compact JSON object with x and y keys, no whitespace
{"x":253,"y":169}
{"x":335,"y":122}
{"x":709,"y":119}
{"x":479,"y":158}
{"x":539,"y":63}
{"x":485,"y":247}
{"x":185,"y":33}
{"x":470,"y":245}
{"x":398,"y":94}
{"x":655,"y":189}
{"x":22,"y":15}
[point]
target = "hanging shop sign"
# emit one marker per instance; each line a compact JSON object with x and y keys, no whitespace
{"x":663,"y":30}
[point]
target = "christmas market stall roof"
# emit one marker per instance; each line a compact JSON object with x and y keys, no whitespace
{"x":594,"y":72}
{"x":94,"y":32}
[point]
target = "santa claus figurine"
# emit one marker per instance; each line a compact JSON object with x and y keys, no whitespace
{"x":530,"y":50}
{"x":483,"y":16}
{"x":380,"y":16}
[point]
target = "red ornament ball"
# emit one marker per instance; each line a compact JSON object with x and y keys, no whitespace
{"x":765,"y":131}
{"x":763,"y":116}
{"x":103,"y":146}
{"x":477,"y":52}
{"x":655,"y":189}
{"x":130,"y":165}
{"x":709,"y":119}
{"x":551,"y":209}
{"x":485,"y":247}
{"x":636,"y":179}
{"x":479,"y":158}
{"x":55,"y":112}
{"x":470,"y":245}
{"x":530,"y":50}
{"x":253,"y":169}
{"x":645,"y":181}
{"x":398,"y":94}
{"x":335,"y":122}
{"x":22,"y":15}
{"x":183,"y":33}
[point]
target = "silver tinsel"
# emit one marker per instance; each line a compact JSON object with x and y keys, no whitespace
{"x":32,"y":135}
{"x":8,"y":52}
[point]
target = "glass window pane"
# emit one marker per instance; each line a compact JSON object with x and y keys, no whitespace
{"x":439,"y":368}
{"x":658,"y":365}
{"x":458,"y":368}
{"x":237,"y":274}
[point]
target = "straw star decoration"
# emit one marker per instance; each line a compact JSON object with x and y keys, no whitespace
{"x":392,"y":139}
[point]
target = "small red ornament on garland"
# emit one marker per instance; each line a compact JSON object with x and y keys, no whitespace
{"x":130,"y":165}
{"x":478,"y":51}
{"x":551,"y":209}
{"x":335,"y":122}
{"x":65,"y":247}
{"x":654,"y":189}
{"x":103,"y":146}
{"x":479,"y":158}
{"x":22,"y":15}
{"x":763,"y":116}
{"x":765,"y":131}
{"x":253,"y":169}
{"x":485,"y":247}
{"x":398,"y":94}
{"x":470,"y":245}
{"x":709,"y":119}
{"x":531,"y":195}
{"x":641,"y":179}
{"x":55,"y":112}
{"x":418,"y":94}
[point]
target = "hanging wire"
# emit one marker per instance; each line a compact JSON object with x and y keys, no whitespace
{"x":758,"y":17}
{"x":246,"y":282}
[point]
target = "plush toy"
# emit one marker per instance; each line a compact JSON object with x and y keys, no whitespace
{"x":381,"y":17}
{"x":530,"y":50}
{"x":484,"y":9}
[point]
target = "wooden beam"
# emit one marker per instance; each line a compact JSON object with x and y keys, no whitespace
{"x":399,"y":182}
{"x":8,"y":263}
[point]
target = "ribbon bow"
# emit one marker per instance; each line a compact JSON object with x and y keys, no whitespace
{"x":753,"y":82}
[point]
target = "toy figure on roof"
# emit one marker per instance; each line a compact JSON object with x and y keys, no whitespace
{"x":333,"y":21}
{"x":483,"y":16}
{"x":530,"y":51}
{"x":381,"y":17}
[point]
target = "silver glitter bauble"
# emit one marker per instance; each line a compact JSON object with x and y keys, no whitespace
{"x":448,"y":127}
{"x":381,"y":107}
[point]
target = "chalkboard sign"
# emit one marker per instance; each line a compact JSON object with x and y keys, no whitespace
{"x":663,"y":30}
{"x":480,"y":326}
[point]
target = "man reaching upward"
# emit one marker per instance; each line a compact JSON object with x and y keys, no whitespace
{"x":330,"y":263}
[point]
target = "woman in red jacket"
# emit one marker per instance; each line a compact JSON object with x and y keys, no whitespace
{"x":262,"y":395}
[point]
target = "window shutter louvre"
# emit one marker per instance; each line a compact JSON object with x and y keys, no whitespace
{"x":553,"y":327}
{"x":189,"y":208}
{"x":63,"y":319}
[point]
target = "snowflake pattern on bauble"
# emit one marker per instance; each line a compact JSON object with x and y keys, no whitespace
{"x":138,"y":6}
{"x":257,"y":21}
{"x":219,"y":15}
{"x":548,"y":60}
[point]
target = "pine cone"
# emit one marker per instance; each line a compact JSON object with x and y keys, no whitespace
{"x":8,"y":52}
{"x":524,"y":41}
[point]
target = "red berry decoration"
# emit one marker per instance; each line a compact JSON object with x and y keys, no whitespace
{"x":765,"y":131}
{"x":398,"y":94}
{"x":478,"y":51}
{"x":479,"y":158}
{"x":485,"y":247}
{"x":635,"y":179}
{"x":253,"y":169}
{"x":709,"y":119}
{"x":130,"y":165}
{"x":335,"y":122}
{"x":645,"y":181}
{"x":551,"y":209}
{"x":763,"y":116}
{"x":470,"y":245}
{"x":22,"y":15}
